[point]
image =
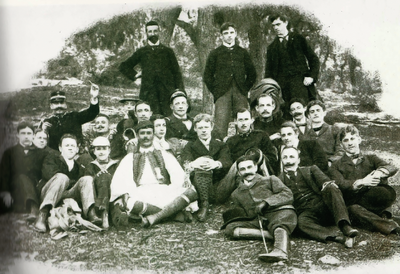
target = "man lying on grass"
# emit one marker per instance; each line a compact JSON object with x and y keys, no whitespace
{"x":149,"y":184}
{"x":363,"y":180}
{"x":265,"y":202}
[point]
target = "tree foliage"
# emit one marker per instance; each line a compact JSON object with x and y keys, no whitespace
{"x":96,"y":52}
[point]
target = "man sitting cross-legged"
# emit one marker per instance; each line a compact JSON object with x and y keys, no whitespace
{"x":208,"y":161}
{"x":102,"y":169}
{"x":62,"y":177}
{"x":363,"y":181}
{"x":150,"y":182}
{"x":266,"y":200}
{"x":311,"y":153}
{"x":318,"y":201}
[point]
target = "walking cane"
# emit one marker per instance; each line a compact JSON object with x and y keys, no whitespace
{"x":262,"y":233}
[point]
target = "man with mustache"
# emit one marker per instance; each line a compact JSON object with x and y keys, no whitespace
{"x":311,"y":153}
{"x":101,"y":127}
{"x":266,"y":200}
{"x":363,"y":180}
{"x":207,"y":160}
{"x":229,"y":74}
{"x":318,"y":201}
{"x":298,"y":108}
{"x":149,"y":184}
{"x":161,"y":74}
{"x":62,"y":122}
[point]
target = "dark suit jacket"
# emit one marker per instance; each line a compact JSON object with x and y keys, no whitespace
{"x":159,"y":65}
{"x":15,"y":162}
{"x":224,"y":65}
{"x":219,"y":151}
{"x":328,"y":138}
{"x":54,"y":163}
{"x":177,"y":129}
{"x":311,"y":153}
{"x":345,"y":172}
{"x":70,"y":122}
{"x":305,"y":61}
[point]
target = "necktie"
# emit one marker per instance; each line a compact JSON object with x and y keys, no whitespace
{"x":355,"y":156}
{"x":291,"y":175}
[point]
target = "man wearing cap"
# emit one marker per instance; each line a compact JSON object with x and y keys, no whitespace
{"x":161,"y":74}
{"x":267,"y":202}
{"x":179,"y":123}
{"x":229,"y":74}
{"x":102,"y":169}
{"x":150,"y":182}
{"x":291,"y":62}
{"x":62,"y":122}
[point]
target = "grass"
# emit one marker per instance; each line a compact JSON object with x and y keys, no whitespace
{"x":181,"y":248}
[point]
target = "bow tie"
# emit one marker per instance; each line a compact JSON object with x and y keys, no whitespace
{"x":302,"y":125}
{"x":355,"y":156}
{"x":246,"y":134}
{"x":317,"y":128}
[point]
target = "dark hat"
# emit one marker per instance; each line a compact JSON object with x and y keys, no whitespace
{"x":235,"y":215}
{"x":268,"y":86}
{"x":129,"y":97}
{"x":57,"y":95}
{"x":144,"y":124}
{"x":256,"y":154}
{"x":177,"y":93}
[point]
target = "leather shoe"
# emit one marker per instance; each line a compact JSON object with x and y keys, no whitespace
{"x":275,"y":255}
{"x":202,"y":214}
{"x":40,"y":224}
{"x":93,"y":218}
{"x":348,"y":231}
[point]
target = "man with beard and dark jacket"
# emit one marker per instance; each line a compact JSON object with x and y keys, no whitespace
{"x":62,"y":122}
{"x":161,"y":74}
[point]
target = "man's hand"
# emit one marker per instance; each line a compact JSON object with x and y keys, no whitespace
{"x":260,"y":207}
{"x":308,"y":81}
{"x":369,"y":180}
{"x":46,"y":126}
{"x":275,"y":136}
{"x":205,"y":163}
{"x":94,"y":92}
{"x":7,"y":199}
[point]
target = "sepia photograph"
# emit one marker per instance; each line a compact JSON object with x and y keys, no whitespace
{"x":165,"y":136}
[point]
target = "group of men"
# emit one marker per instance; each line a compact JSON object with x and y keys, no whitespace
{"x":284,"y":169}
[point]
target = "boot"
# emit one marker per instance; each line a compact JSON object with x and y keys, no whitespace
{"x":202,"y":182}
{"x":347,"y":230}
{"x":175,"y":206}
{"x":280,"y":250}
{"x":250,"y":233}
{"x":143,"y":209}
{"x":93,"y":218}
{"x":34,"y":213}
{"x":104,"y":217}
{"x":40,"y":224}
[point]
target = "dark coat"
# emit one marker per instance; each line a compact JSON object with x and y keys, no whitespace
{"x":345,"y":172}
{"x":328,"y":138}
{"x":311,"y":153}
{"x":54,"y":163}
{"x":304,"y":59}
{"x":70,"y":122}
{"x":219,"y":151}
{"x":224,"y":65}
{"x":177,"y":129}
{"x":94,"y":168}
{"x":15,"y":162}
{"x":239,"y":144}
{"x":268,"y":189}
{"x":159,"y":68}
{"x":269,"y":127}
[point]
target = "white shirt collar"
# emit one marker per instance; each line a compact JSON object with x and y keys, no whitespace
{"x":228,"y":45}
{"x":144,"y":150}
{"x":155,"y":44}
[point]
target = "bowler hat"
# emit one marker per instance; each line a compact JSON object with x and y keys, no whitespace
{"x":144,"y":124}
{"x":268,"y":86}
{"x":129,"y":97}
{"x":235,"y":215}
